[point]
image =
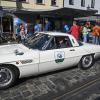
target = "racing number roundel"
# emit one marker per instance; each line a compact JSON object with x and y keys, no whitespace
{"x":59,"y":56}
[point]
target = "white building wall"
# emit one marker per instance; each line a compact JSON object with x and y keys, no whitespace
{"x":97,"y":5}
{"x":77,"y":4}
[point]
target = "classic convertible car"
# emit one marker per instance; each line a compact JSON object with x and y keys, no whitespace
{"x":44,"y":52}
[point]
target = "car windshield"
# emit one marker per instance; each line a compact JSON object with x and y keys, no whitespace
{"x":38,"y":41}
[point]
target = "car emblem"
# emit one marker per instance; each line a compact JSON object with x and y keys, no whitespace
{"x":59,"y":56}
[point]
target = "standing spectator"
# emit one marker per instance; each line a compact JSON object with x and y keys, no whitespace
{"x":30,"y":30}
{"x":88,"y":24}
{"x":74,"y":30}
{"x":80,"y":31}
{"x":23,"y":34}
{"x":37,"y":27}
{"x":47,"y":25}
{"x":66,"y":28}
{"x":99,"y":35}
{"x":95,"y":34}
{"x":85,"y":33}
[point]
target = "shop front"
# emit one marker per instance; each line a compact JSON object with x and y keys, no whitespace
{"x":56,"y":17}
{"x":6,"y":26}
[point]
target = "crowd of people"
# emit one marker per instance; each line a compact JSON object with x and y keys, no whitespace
{"x":85,"y":32}
{"x":22,"y":33}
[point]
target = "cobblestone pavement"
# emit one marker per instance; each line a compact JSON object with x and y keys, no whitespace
{"x":52,"y":86}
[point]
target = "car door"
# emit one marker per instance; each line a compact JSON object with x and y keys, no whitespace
{"x":56,"y":58}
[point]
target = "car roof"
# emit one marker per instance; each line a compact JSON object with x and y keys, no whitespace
{"x":55,"y":33}
{"x":75,"y":43}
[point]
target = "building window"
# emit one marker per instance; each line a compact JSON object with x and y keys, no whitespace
{"x":39,"y":1}
{"x":23,"y":0}
{"x":71,"y":2}
{"x":82,"y":3}
{"x":92,"y":3}
{"x":53,"y":2}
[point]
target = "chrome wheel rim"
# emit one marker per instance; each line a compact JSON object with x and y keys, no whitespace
{"x":87,"y":61}
{"x":5,"y":76}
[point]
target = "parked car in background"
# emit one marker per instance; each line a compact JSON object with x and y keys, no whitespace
{"x":44,"y":52}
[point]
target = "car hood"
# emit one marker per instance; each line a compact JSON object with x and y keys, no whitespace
{"x":16,"y":52}
{"x":12,"y":48}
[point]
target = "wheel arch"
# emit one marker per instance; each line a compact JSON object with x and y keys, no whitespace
{"x":93,"y":54}
{"x":14,"y":68}
{"x":80,"y":62}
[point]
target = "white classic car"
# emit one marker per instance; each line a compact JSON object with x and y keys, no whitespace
{"x":44,"y":52}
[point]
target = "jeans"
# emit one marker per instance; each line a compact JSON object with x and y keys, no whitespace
{"x":84,"y":37}
{"x":95,"y":39}
{"x":99,"y":39}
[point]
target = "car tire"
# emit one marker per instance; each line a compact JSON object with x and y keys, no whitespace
{"x":86,"y":62}
{"x":7,"y":76}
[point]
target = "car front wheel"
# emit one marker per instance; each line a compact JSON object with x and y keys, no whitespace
{"x":7,"y":77}
{"x":86,"y":62}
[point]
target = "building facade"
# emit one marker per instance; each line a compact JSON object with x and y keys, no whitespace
{"x":80,"y":4}
{"x":26,"y":11}
{"x":31,"y":11}
{"x":86,"y":5}
{"x":97,"y":6}
{"x":32,"y":5}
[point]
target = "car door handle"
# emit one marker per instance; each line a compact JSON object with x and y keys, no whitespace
{"x":72,"y":49}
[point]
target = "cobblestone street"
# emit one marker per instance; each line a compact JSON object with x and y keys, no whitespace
{"x":53,"y":86}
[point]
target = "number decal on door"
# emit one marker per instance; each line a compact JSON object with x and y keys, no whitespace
{"x":59,"y":56}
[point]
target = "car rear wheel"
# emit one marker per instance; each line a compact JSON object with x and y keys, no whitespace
{"x":86,"y":62}
{"x":7,"y":77}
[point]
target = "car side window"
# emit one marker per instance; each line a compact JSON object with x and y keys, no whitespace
{"x":51,"y":45}
{"x":59,"y":42}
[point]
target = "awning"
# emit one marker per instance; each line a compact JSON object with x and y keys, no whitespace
{"x":67,"y":12}
{"x":62,"y":12}
{"x":89,"y":18}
